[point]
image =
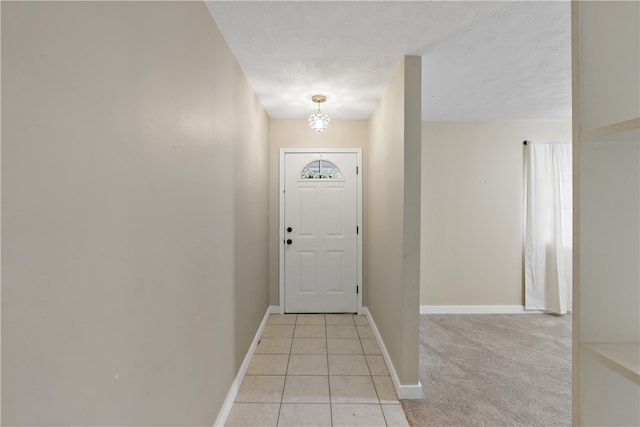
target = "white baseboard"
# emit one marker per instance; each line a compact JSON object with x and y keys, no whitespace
{"x":275,"y":309}
{"x":475,"y":309}
{"x":404,"y":391}
{"x":235,"y":386}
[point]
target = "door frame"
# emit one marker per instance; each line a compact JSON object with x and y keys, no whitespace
{"x":281,"y":226}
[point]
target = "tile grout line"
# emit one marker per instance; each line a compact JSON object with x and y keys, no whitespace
{"x":286,"y":372}
{"x":371,"y":376}
{"x":326,"y":340}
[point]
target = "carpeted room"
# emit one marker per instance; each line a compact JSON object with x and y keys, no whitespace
{"x":483,"y":358}
{"x":493,"y":369}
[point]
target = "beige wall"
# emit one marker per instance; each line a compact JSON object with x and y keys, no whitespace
{"x":251,"y":215}
{"x":473,"y":209}
{"x":392,"y":223}
{"x":295,"y":133}
{"x":134,"y":257}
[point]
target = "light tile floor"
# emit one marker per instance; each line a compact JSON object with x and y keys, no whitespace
{"x":317,"y":370}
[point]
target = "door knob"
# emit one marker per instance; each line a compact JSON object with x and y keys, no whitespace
{"x":289,"y":241}
{"x":289,"y":229}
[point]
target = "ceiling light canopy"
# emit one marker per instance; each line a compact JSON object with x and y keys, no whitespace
{"x":318,"y":119}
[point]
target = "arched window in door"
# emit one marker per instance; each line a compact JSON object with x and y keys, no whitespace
{"x":321,"y":169}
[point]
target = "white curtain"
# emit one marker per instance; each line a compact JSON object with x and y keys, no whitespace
{"x":548,"y":232}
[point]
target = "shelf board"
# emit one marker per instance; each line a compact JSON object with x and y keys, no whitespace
{"x":621,"y":357}
{"x":628,"y":130}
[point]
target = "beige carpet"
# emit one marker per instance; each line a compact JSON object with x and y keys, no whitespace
{"x":493,"y":370}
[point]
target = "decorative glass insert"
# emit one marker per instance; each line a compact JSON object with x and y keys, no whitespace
{"x":321,"y":169}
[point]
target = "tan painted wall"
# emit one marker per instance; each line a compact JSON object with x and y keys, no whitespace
{"x":473,"y":209}
{"x":295,"y":133}
{"x":134,"y":242}
{"x":392,"y":224}
{"x":251,"y":215}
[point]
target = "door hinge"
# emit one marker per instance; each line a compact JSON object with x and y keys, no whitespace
{"x":357,"y":289}
{"x":357,"y":170}
{"x":357,"y":229}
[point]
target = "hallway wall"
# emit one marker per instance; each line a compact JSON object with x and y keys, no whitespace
{"x":392,"y":224}
{"x":134,"y":214}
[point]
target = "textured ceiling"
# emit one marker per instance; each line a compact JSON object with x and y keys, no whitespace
{"x":505,"y":60}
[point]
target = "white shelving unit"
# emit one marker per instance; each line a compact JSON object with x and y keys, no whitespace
{"x":622,"y":357}
{"x":606,"y":323}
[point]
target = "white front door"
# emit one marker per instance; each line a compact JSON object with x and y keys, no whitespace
{"x":320,"y":232}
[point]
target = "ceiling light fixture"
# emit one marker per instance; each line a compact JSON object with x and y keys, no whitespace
{"x":318,"y":119}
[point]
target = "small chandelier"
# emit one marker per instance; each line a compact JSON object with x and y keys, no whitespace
{"x":318,"y":119}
